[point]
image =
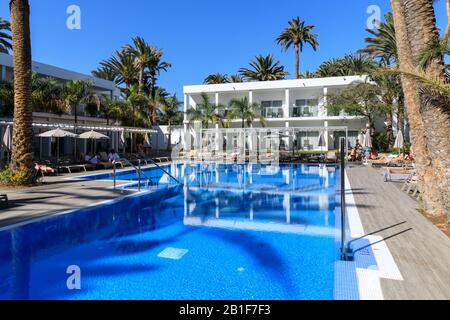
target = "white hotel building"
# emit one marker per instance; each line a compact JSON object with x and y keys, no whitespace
{"x":285,"y":104}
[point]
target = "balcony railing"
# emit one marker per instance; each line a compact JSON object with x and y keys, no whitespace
{"x":305,"y":112}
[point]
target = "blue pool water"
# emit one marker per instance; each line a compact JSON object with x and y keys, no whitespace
{"x":233,"y":232}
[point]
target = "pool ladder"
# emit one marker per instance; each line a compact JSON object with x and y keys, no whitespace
{"x":140,"y":173}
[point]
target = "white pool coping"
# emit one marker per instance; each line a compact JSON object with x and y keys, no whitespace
{"x":369,"y":279}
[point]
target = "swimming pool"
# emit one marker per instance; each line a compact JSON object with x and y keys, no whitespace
{"x":232,"y":232}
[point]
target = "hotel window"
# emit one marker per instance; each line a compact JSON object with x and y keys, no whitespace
{"x":306,"y":108}
{"x":272,"y":109}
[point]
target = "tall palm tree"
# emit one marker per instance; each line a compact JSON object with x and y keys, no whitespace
{"x":205,"y":112}
{"x":22,"y":153}
{"x":172,"y":114}
{"x":123,"y":65}
{"x":264,"y":68}
{"x":381,"y":44}
{"x":426,"y":174}
{"x":155,"y":67}
{"x":5,"y":37}
{"x":77,"y":92}
{"x":298,"y":34}
{"x":142,"y":53}
{"x":245,"y":111}
{"x":422,"y":31}
{"x":216,"y":78}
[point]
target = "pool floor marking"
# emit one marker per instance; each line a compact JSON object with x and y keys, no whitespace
{"x":369,"y":283}
{"x":173,"y":253}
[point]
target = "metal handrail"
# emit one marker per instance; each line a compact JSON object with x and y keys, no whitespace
{"x":138,"y":170}
{"x":344,"y":253}
{"x":165,"y":171}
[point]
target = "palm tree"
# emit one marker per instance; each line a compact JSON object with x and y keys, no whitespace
{"x":298,"y":34}
{"x":123,"y":65}
{"x":264,"y":68}
{"x":105,"y":73}
{"x":205,"y":112}
{"x":427,"y":178}
{"x":216,"y":78}
{"x":235,"y":78}
{"x":77,"y":92}
{"x":422,"y":31}
{"x":142,"y":53}
{"x":47,"y":95}
{"x":155,"y":66}
{"x":172,"y":115}
{"x":382,"y":43}
{"x":22,"y":153}
{"x":5,"y":37}
{"x":246,"y":111}
{"x":349,"y":65}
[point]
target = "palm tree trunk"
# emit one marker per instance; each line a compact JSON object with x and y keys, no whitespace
{"x":426,"y":177}
{"x":422,"y":30}
{"x":141,"y":79}
{"x":297,"y":61}
{"x":22,"y":155}
{"x":390,"y":130}
{"x":447,"y":30}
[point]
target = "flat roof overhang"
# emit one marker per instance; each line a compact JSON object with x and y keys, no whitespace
{"x":69,"y":126}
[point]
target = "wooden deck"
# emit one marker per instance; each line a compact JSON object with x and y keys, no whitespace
{"x":422,"y":254}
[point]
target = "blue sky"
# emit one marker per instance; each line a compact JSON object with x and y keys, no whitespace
{"x":198,"y":36}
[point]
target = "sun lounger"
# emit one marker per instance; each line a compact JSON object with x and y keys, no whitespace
{"x":70,"y":168}
{"x":398,"y":175}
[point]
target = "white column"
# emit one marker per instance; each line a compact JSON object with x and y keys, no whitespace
{"x":185,"y":124}
{"x":326,"y":136}
{"x":323,"y":109}
{"x":287,"y":104}
{"x":217,"y":99}
{"x":250,"y":97}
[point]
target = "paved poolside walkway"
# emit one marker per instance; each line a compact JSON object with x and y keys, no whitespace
{"x":422,"y":254}
{"x":56,"y":195}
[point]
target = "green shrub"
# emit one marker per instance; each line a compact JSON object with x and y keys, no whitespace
{"x":10,"y":178}
{"x":380,"y":142}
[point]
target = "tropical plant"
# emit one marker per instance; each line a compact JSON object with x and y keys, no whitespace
{"x":235,"y":78}
{"x":217,"y":78}
{"x":428,"y":122}
{"x":382,"y":43}
{"x":349,"y":65}
{"x":105,"y":73}
{"x":172,"y":115}
{"x":22,"y":151}
{"x":77,"y":92}
{"x":155,"y":67}
{"x":5,"y":36}
{"x":142,"y":53}
{"x":47,"y":95}
{"x":361,"y":99}
{"x":298,"y":34}
{"x":245,"y":111}
{"x":205,"y":112}
{"x":123,"y":65}
{"x":263,"y":68}
{"x":6,"y":98}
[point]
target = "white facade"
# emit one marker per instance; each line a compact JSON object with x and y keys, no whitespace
{"x":285,"y":104}
{"x":46,"y":70}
